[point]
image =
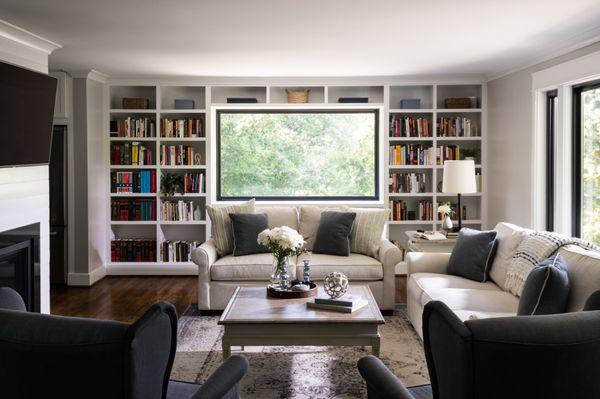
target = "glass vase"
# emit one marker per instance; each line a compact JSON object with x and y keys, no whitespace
{"x":280,"y":278}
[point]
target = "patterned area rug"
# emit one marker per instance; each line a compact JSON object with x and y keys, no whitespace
{"x":298,"y":372}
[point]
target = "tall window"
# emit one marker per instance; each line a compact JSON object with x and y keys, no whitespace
{"x":551,"y":104}
{"x":586,"y":161}
{"x":297,"y":154}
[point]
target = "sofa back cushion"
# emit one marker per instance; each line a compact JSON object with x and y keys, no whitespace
{"x":309,"y":219}
{"x":280,"y":216}
{"x":584,"y":274}
{"x":367,"y":230}
{"x":508,"y":239}
{"x":221,"y":226}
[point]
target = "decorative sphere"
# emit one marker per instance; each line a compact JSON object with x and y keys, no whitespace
{"x":335,"y":284}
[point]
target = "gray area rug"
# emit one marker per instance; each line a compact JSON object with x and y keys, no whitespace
{"x":298,"y":372}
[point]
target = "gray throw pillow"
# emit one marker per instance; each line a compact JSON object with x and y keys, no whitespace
{"x":246,"y":227}
{"x":546,"y":290}
{"x":333,"y":233}
{"x":473,"y":254}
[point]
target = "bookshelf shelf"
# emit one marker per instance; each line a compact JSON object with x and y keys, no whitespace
{"x":175,"y":167}
{"x":458,"y":110}
{"x":473,"y":138}
{"x":182,"y":111}
{"x":186,"y":195}
{"x":400,"y":139}
{"x":411,"y":111}
{"x":191,"y":222}
{"x":410,"y":194}
{"x":132,"y":111}
{"x":133,"y":139}
{"x":133,"y":166}
{"x":411,"y":222}
{"x":142,"y":195}
{"x":133,"y":222}
{"x":179,"y":139}
{"x":411,"y":166}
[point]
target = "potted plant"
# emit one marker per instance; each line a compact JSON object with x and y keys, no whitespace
{"x":171,"y":184}
{"x":283,"y":242}
{"x":470,"y":153}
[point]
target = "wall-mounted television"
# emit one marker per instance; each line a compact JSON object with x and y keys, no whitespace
{"x":26,"y":113}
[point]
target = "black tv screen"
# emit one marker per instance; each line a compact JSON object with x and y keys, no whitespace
{"x":26,"y":113}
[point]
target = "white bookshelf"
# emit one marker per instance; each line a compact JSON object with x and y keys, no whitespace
{"x":209,"y":93}
{"x":432,"y":107}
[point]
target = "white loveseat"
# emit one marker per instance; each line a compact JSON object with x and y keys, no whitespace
{"x":219,"y":277}
{"x":428,"y":281}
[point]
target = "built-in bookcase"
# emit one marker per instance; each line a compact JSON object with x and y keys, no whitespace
{"x":432,"y":109}
{"x":385,"y":94}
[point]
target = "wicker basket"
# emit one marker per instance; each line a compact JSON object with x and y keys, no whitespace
{"x":297,"y":96}
{"x":457,"y":103}
{"x":136,"y":103}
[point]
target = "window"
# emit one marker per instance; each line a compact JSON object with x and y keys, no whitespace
{"x":297,"y":154}
{"x":551,"y":104}
{"x":586,"y":161}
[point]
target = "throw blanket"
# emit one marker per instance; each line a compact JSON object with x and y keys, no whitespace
{"x":534,"y":248}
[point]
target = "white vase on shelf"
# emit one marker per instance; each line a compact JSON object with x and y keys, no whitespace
{"x":447,"y":223}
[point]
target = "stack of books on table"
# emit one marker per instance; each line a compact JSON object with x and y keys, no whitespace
{"x":344,"y":304}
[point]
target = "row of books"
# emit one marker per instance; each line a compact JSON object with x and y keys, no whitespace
{"x":133,"y":127}
{"x":133,"y":250}
{"x":408,"y":183}
{"x":133,"y":182}
{"x":131,"y":209}
{"x":194,"y":183}
{"x":172,"y":155}
{"x":447,"y":152}
{"x":177,"y":251}
{"x":407,"y":126}
{"x":456,"y":126}
{"x":190,"y":127}
{"x":400,"y":211}
{"x":132,"y":153}
{"x":412,"y":154}
{"x":180,"y":211}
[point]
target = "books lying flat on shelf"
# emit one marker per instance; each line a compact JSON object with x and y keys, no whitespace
{"x":411,"y":154}
{"x":132,"y":153}
{"x":132,"y":250}
{"x":132,"y":127}
{"x":407,"y":126}
{"x":181,"y":128}
{"x":345,"y":300}
{"x":338,"y":308}
{"x":133,"y":182}
{"x":408,"y":183}
{"x":132,"y":209}
{"x":431,"y":236}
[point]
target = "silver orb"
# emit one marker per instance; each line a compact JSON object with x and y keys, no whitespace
{"x":335,"y":284}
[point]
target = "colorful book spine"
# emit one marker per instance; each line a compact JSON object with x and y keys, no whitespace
{"x":408,"y":126}
{"x":133,"y":127}
{"x":179,"y":155}
{"x":408,"y":183}
{"x":132,"y":153}
{"x":182,"y":128}
{"x":132,"y":209}
{"x":177,"y":251}
{"x":133,"y":250}
{"x":411,"y":154}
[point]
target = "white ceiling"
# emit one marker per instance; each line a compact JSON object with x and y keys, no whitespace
{"x":304,"y":37}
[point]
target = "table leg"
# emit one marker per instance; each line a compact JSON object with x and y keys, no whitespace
{"x":375,"y":346}
{"x":226,"y":349}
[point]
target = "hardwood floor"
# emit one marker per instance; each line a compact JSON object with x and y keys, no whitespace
{"x":126,"y":298}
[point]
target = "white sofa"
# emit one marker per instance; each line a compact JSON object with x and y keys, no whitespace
{"x":428,"y":281}
{"x":219,"y":277}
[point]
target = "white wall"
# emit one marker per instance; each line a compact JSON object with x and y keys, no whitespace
{"x":510,"y":142}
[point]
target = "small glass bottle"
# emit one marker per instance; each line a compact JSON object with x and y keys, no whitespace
{"x":306,"y":272}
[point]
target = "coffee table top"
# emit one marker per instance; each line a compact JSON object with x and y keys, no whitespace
{"x":250,"y":305}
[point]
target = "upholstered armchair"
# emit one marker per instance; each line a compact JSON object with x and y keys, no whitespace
{"x":528,"y":357}
{"x":43,"y":356}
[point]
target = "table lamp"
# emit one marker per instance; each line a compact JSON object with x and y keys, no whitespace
{"x":459,"y":178}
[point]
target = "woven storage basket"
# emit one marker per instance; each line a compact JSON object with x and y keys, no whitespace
{"x":297,"y":96}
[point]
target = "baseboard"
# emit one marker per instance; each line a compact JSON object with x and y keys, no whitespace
{"x":87,"y":279}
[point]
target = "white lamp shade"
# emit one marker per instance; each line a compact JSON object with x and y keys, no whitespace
{"x":459,"y":177}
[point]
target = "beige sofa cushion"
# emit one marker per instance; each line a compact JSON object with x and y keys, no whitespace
{"x":256,"y":267}
{"x":469,"y":299}
{"x":509,"y":237}
{"x":278,"y":216}
{"x":356,"y":267}
{"x":308,"y":224}
{"x":367,"y":230}
{"x":584,"y":274}
{"x":221,"y":226}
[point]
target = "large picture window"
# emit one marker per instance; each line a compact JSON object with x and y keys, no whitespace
{"x":297,"y":154}
{"x":586,"y":162}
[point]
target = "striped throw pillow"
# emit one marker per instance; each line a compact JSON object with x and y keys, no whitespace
{"x":221,"y":226}
{"x":367,"y":230}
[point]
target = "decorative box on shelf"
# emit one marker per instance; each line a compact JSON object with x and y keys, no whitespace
{"x":136,"y":103}
{"x":184,"y":104}
{"x":410,"y":103}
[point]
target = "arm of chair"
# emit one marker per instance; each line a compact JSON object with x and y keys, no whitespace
{"x":11,"y":300}
{"x":426,"y":262}
{"x":389,"y":255}
{"x":204,"y":256}
{"x":381,"y":383}
{"x":225,"y":381}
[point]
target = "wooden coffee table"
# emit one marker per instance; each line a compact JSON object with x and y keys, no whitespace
{"x":253,"y":319}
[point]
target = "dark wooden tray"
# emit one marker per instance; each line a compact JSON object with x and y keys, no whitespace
{"x":289,"y":294}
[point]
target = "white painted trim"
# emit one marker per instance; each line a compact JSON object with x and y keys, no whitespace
{"x":27,"y":38}
{"x":571,"y":72}
{"x":90,"y":74}
{"x":538,"y":158}
{"x":87,"y":279}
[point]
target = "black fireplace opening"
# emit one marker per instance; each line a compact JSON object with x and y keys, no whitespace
{"x":19,"y":263}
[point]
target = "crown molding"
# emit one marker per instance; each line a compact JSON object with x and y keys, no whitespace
{"x":90,"y":74}
{"x":26,"y":38}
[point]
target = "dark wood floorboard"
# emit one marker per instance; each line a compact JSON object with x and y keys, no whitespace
{"x":126,"y":298}
{"x":123,"y":298}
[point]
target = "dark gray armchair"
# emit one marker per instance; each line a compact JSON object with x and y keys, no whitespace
{"x":545,"y":357}
{"x":43,"y":356}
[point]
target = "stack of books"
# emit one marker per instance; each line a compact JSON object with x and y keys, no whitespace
{"x":345,"y":304}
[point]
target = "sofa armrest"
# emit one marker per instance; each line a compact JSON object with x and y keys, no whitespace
{"x":381,"y":383}
{"x":225,"y":381}
{"x":389,"y":255}
{"x":204,"y":256}
{"x":426,"y":262}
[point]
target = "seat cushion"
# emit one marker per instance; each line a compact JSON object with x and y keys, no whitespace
{"x":255,"y":267}
{"x":181,"y":390}
{"x":280,"y":216}
{"x":486,"y":301}
{"x":508,"y":239}
{"x":356,"y":267}
{"x":584,"y":274}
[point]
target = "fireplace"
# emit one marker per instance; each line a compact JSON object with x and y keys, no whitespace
{"x":19,"y":263}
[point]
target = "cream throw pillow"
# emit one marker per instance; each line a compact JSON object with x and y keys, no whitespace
{"x":221,"y":226}
{"x":367,"y":230}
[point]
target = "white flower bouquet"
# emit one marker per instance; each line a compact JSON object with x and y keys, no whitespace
{"x":445,"y":209}
{"x":283,"y":242}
